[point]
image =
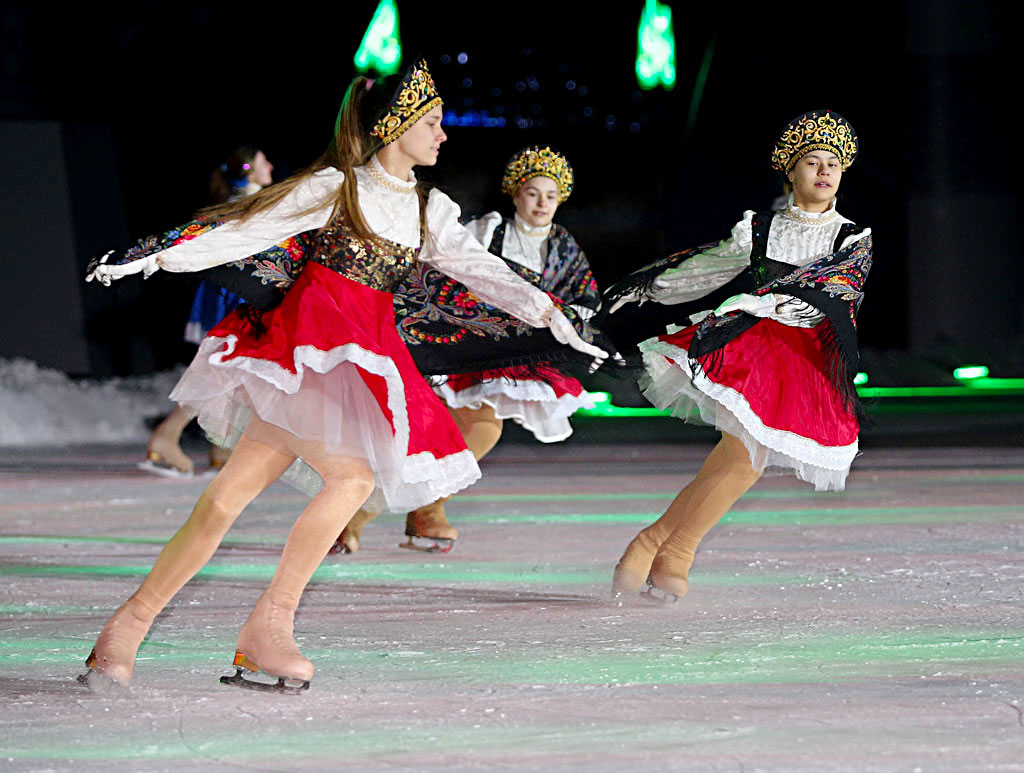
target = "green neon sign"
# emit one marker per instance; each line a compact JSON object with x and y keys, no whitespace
{"x":656,"y":47}
{"x":381,"y":49}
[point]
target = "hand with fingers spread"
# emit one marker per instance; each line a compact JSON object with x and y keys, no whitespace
{"x":104,"y":272}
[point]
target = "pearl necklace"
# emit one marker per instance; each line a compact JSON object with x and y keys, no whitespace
{"x":825,"y":218}
{"x":391,"y":185}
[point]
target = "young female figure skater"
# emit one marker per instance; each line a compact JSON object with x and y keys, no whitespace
{"x":245,"y":172}
{"x":321,"y":383}
{"x":772,"y":366}
{"x":542,"y":397}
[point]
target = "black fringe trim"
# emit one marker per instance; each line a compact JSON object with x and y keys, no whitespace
{"x":254,"y":317}
{"x":838,"y":368}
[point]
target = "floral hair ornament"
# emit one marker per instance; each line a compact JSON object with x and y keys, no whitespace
{"x":415,"y":96}
{"x":816,"y":130}
{"x":538,"y":161}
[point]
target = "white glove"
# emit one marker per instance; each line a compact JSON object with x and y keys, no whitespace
{"x":563,"y":331}
{"x":635,"y":298}
{"x":758,"y":305}
{"x":101,"y":272}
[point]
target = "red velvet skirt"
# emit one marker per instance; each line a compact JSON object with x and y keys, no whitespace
{"x":540,"y":399}
{"x":330,"y":378}
{"x":771,"y":390}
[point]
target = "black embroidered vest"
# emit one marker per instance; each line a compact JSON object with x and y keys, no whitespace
{"x":380,"y":264}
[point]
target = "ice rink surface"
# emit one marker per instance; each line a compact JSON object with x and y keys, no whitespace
{"x":880,"y":629}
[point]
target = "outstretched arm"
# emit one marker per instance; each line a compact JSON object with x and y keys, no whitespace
{"x":307,"y":206}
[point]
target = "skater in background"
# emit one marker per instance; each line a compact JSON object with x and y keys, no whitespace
{"x":540,"y":398}
{"x":772,"y":366}
{"x":244,"y":172}
{"x":319,"y":385}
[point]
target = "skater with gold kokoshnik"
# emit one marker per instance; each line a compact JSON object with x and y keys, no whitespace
{"x":315,"y":385}
{"x":772,"y":366}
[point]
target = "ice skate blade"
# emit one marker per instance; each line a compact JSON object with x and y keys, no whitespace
{"x":283,"y":685}
{"x":340,"y":546}
{"x":163,"y":469}
{"x":656,"y":595}
{"x":433,"y":544}
{"x":101,"y":684}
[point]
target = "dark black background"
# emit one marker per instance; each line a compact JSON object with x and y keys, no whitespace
{"x":926,"y":84}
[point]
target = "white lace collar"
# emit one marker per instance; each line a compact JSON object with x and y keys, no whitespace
{"x":810,"y":218}
{"x":531,"y":231}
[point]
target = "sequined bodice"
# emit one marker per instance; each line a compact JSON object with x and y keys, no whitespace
{"x":380,"y":264}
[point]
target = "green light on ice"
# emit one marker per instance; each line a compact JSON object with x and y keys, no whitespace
{"x":656,"y":47}
{"x":860,"y":379}
{"x":381,"y":49}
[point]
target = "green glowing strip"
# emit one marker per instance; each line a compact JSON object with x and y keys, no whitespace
{"x":894,"y":515}
{"x":500,"y":573}
{"x":981,"y":387}
{"x":687,"y":658}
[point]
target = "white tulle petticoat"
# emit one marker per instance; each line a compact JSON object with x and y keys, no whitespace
{"x":534,"y":405}
{"x":327,"y":411}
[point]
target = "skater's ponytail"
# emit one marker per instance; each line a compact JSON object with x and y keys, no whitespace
{"x":352,"y":145}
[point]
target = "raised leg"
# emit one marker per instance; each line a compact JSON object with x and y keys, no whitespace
{"x":251,"y":469}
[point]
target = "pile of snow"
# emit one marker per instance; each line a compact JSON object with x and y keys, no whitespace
{"x":41,"y":406}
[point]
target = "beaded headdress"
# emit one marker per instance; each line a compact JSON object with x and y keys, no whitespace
{"x":538,"y":161}
{"x":415,"y":97}
{"x":816,"y":130}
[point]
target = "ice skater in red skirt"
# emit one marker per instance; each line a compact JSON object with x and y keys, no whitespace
{"x":772,"y":366}
{"x":310,"y":380}
{"x":539,"y":397}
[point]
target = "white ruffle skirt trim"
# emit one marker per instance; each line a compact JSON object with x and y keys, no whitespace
{"x":532,"y":405}
{"x":327,"y":411}
{"x":670,"y":384}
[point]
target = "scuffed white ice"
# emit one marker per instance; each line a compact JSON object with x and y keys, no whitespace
{"x":45,"y":407}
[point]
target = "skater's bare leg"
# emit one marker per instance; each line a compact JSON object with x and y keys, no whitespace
{"x":266,"y":641}
{"x":164,"y":446}
{"x":480,"y":428}
{"x":251,"y":469}
{"x":716,"y":491}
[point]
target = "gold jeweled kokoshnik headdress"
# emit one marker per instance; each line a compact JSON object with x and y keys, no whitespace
{"x":538,"y":161}
{"x":816,"y":130}
{"x":416,"y":96}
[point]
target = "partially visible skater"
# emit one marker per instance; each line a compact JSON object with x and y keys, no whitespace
{"x":539,"y":397}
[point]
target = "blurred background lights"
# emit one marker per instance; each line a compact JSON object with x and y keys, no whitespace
{"x":381,"y":49}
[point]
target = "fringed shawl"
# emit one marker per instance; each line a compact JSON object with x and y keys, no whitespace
{"x":834,"y":285}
